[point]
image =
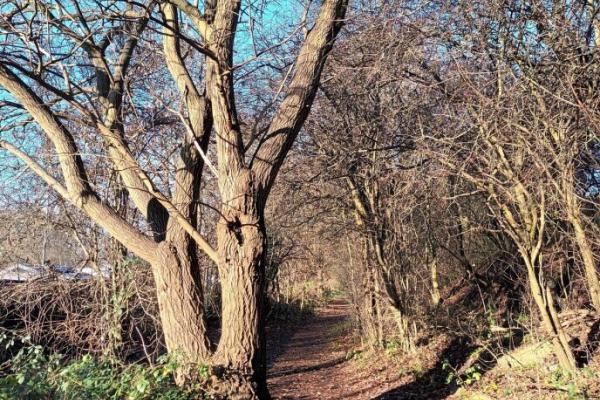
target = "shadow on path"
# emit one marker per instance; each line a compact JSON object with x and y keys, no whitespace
{"x":317,"y":367}
{"x":305,"y":361}
{"x":432,"y":384}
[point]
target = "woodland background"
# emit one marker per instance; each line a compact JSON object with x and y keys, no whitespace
{"x":444,"y":184}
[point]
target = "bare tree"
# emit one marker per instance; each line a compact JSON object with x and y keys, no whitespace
{"x":68,"y":68}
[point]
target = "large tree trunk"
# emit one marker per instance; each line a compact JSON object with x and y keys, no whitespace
{"x":241,"y":231}
{"x":241,"y":235}
{"x":180,"y":304}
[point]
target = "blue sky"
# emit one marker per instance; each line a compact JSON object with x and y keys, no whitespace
{"x":270,"y":19}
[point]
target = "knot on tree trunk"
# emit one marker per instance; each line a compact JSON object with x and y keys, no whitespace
{"x":235,"y":227}
{"x":230,"y":384}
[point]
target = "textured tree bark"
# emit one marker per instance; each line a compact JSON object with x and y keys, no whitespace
{"x":244,"y":182}
{"x":589,"y":263}
{"x":241,"y":236}
{"x":545,"y":303}
{"x":365,"y":199}
{"x":370,"y":320}
{"x":378,"y":311}
{"x":582,"y":242}
{"x":529,"y":239}
{"x":435,"y":285}
{"x":180,"y":305}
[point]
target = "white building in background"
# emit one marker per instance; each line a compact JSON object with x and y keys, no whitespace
{"x":21,"y":272}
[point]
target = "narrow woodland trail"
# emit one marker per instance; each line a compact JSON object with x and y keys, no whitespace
{"x":311,"y":363}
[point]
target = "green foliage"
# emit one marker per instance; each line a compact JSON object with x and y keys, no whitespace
{"x":330,"y":294}
{"x":564,"y":381}
{"x":468,"y":377}
{"x":471,"y":375}
{"x":490,"y":315}
{"x":35,"y":375}
{"x":354,"y":354}
{"x":523,"y":319}
{"x":120,"y":294}
{"x":395,"y":346}
{"x":290,"y":311}
{"x":417,"y":369}
{"x":132,"y":260}
{"x":391,"y":348}
{"x":340,"y":329}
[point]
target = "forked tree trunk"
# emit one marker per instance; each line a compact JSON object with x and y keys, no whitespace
{"x":241,"y":232}
{"x":406,"y":331}
{"x":545,"y":303}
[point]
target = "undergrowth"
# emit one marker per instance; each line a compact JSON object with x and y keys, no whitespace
{"x":31,"y":374}
{"x":290,"y":311}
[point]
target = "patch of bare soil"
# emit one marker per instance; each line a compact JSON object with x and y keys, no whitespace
{"x":312,"y":363}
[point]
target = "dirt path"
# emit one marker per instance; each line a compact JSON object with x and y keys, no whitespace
{"x":311,"y":364}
